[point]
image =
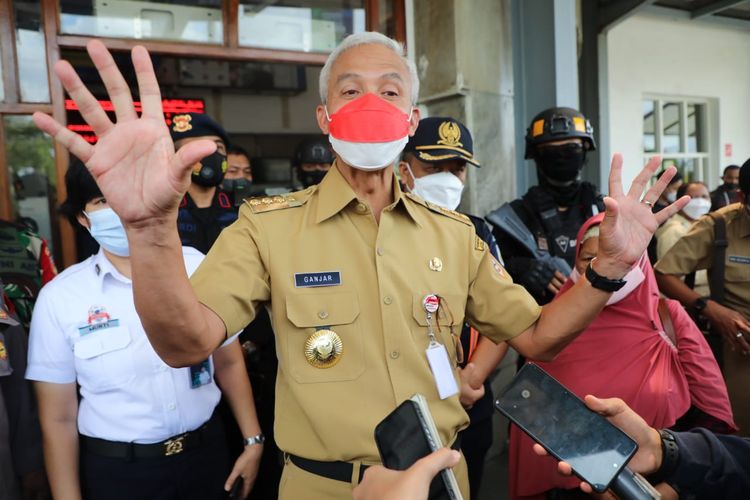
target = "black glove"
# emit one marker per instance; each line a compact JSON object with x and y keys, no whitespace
{"x":534,"y":275}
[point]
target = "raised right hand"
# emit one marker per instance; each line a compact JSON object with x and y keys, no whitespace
{"x":134,"y":161}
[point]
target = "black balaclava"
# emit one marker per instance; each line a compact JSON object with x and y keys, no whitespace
{"x":558,"y":169}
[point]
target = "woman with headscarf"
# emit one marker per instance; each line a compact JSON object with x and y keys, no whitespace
{"x":626,"y":353}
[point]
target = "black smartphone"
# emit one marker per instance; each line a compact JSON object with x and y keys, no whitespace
{"x":236,"y":488}
{"x":558,"y":420}
{"x":407,"y":434}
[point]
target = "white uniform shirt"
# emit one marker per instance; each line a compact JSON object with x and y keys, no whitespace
{"x":85,"y":329}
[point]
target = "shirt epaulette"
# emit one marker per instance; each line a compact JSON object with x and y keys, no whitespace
{"x":270,"y":203}
{"x":440,"y":210}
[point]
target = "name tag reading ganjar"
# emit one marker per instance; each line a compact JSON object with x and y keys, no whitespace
{"x":308,"y":280}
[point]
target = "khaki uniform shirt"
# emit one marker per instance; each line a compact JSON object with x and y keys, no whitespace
{"x":380,"y":275}
{"x":670,"y":233}
{"x":696,"y":251}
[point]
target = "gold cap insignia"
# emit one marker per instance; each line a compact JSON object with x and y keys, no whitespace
{"x":3,"y":352}
{"x":450,"y":134}
{"x":323,"y":349}
{"x":181,"y":123}
{"x":436,"y":264}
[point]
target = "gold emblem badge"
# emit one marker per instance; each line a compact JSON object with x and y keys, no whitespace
{"x":450,"y":134}
{"x":181,"y":123}
{"x":436,"y":264}
{"x":174,"y":446}
{"x":323,"y":349}
{"x":3,"y":352}
{"x":478,"y":244}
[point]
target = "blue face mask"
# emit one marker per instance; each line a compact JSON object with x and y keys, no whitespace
{"x":107,"y":229}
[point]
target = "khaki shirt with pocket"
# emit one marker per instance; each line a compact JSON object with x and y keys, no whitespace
{"x":695,"y":251}
{"x":369,"y":281}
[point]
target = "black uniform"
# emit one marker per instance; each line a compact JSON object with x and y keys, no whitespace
{"x":557,"y":140}
{"x":554,"y":231}
{"x":199,"y":227}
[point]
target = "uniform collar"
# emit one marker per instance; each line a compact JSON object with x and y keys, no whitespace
{"x":335,"y":193}
{"x":103,"y":267}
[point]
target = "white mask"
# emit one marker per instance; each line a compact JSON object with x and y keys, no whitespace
{"x":633,"y":280}
{"x":671,"y":196}
{"x":368,"y":155}
{"x":442,"y":189}
{"x":697,"y":208}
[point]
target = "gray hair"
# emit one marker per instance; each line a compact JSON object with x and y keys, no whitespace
{"x":367,"y":38}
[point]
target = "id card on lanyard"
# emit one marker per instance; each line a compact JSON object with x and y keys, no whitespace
{"x":437,"y":355}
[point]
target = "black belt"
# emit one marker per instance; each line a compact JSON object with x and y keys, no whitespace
{"x":172,"y":446}
{"x":340,"y":471}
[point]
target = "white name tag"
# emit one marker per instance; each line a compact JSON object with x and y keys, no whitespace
{"x":441,"y":370}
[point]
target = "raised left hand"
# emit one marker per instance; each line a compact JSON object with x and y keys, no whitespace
{"x":629,"y":223}
{"x":246,"y":466}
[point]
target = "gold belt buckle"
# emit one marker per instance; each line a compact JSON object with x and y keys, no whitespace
{"x":174,"y":446}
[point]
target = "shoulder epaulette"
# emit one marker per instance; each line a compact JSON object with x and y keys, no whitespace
{"x":279,"y":202}
{"x":440,"y":210}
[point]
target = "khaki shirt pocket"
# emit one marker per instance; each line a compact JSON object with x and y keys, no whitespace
{"x":737,"y":270}
{"x":449,"y":318}
{"x":335,"y":311}
{"x":103,"y":359}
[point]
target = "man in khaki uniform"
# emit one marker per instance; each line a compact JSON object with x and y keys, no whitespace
{"x":732,"y":319}
{"x":344,"y":267}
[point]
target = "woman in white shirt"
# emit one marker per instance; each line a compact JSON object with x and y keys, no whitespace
{"x":141,"y":429}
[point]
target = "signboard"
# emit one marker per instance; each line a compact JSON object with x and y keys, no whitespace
{"x":171,"y":107}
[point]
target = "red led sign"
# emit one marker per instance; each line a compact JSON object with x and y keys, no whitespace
{"x":171,"y":107}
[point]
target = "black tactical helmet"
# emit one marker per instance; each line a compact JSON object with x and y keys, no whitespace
{"x":555,"y":124}
{"x":315,"y":150}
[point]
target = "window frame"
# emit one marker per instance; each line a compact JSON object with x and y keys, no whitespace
{"x":704,"y":159}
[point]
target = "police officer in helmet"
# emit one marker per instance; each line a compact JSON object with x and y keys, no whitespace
{"x":312,"y":161}
{"x":558,"y":140}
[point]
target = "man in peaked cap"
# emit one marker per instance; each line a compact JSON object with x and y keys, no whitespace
{"x":206,"y":209}
{"x":433,"y":166}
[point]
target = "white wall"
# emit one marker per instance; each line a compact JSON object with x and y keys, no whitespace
{"x":653,"y":54}
{"x":241,"y":113}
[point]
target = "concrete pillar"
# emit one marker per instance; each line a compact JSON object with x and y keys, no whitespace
{"x":465,"y":61}
{"x":545,"y":57}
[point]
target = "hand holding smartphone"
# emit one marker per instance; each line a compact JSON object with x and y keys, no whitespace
{"x":407,"y":434}
{"x":557,"y":419}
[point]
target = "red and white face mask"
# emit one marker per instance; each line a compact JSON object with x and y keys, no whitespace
{"x":368,"y":133}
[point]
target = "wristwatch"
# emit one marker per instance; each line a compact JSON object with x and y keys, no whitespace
{"x":699,"y":304}
{"x":259,"y":439}
{"x":600,"y":282}
{"x":670,"y":456}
